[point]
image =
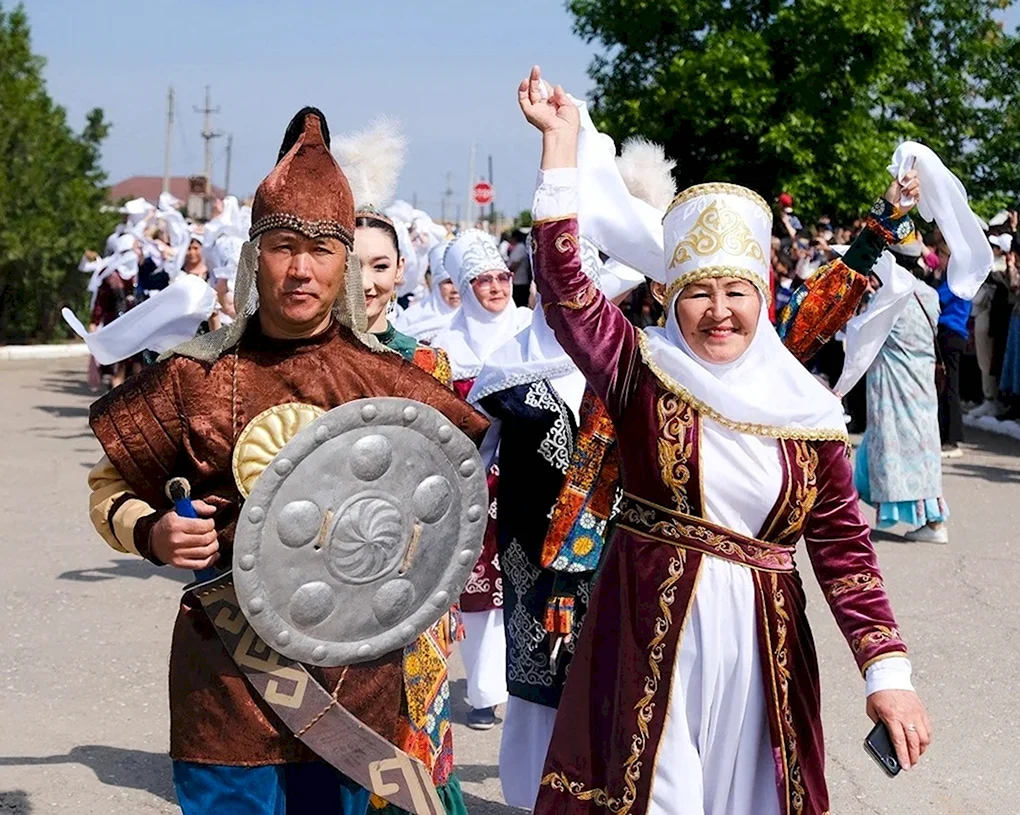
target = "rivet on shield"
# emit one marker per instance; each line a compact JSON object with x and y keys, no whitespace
{"x":256,"y":515}
{"x":369,"y":412}
{"x":467,"y":469}
{"x":321,"y":433}
{"x":319,"y":653}
{"x":365,"y":650}
{"x":283,"y":466}
{"x":256,"y":605}
{"x":445,"y":433}
{"x":410,"y":414}
{"x":247,"y":562}
{"x":283,"y":638}
{"x":466,"y":556}
{"x":474,"y":513}
{"x":441,"y":599}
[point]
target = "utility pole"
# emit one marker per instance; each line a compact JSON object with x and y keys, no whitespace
{"x":208,"y":134}
{"x":169,"y":137}
{"x":492,"y":204}
{"x":230,"y":155}
{"x":447,"y":196}
{"x":469,"y":211}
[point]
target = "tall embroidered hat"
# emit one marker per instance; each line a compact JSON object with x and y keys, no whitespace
{"x":473,"y":253}
{"x":306,"y":191}
{"x":717,"y":230}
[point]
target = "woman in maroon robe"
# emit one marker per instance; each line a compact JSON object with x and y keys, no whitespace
{"x":694,"y":688}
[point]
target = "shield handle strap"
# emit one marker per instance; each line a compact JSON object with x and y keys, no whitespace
{"x":311,"y":713}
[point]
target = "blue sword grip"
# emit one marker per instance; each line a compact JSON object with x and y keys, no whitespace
{"x":184,"y":508}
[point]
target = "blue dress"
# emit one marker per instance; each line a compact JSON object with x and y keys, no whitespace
{"x":899,"y":462}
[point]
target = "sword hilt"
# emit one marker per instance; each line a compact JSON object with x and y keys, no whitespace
{"x":178,"y":490}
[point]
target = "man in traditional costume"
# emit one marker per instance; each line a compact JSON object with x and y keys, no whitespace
{"x":694,"y":688}
{"x":298,"y":347}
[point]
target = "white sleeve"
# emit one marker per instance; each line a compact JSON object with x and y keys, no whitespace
{"x":892,"y":673}
{"x":555,"y":194}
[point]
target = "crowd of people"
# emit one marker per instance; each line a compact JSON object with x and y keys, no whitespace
{"x":658,"y":386}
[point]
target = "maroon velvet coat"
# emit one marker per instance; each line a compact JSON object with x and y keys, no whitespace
{"x":605,"y":743}
{"x":176,"y":419}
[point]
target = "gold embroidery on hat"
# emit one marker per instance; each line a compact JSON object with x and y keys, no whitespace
{"x":718,"y":228}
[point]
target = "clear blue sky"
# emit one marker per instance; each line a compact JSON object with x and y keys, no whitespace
{"x":448,"y":70}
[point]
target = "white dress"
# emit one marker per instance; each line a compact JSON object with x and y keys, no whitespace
{"x":715,"y":756}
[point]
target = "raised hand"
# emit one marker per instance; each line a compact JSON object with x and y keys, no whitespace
{"x":555,"y":116}
{"x":909,"y":188}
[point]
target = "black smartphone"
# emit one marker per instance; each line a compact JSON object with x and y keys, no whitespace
{"x":879,"y":746}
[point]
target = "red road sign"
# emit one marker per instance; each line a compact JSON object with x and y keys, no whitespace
{"x":482,"y":193}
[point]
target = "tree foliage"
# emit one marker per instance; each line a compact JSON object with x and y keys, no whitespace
{"x":810,"y":96}
{"x":51,"y":193}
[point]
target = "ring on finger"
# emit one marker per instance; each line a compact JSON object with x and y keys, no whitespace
{"x":912,"y":728}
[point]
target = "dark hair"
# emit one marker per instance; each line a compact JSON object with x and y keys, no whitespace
{"x":378,"y":223}
{"x":297,"y":126}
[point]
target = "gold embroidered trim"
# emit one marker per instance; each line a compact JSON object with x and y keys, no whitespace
{"x":553,"y":220}
{"x":768,"y":431}
{"x":715,"y":273}
{"x":674,"y":448}
{"x":718,"y":188}
{"x":719,"y":228}
{"x":560,"y":783}
{"x":565,"y":242}
{"x":264,"y":437}
{"x":781,"y":734}
{"x":645,"y":707}
{"x":879,"y":635}
{"x":796,"y":790}
{"x":806,"y":458}
{"x":583,"y":299}
{"x":880,"y":657}
{"x":864,"y":581}
{"x":683,"y":531}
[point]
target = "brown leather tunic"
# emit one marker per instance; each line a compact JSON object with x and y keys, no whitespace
{"x":180,"y":418}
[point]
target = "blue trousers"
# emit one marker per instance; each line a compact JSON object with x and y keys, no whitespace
{"x":312,"y":788}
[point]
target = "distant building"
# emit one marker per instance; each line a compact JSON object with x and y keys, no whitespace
{"x":150,"y":186}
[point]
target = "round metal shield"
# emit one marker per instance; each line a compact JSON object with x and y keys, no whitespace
{"x":361,"y":533}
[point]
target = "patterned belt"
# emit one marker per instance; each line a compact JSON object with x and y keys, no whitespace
{"x":650,"y":520}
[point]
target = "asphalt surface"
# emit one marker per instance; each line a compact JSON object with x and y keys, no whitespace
{"x":86,"y":631}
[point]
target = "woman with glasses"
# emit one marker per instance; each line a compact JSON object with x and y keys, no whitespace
{"x":487,"y":319}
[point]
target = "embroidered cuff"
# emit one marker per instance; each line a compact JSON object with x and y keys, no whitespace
{"x":886,"y":225}
{"x":555,"y":194}
{"x":891,"y":673}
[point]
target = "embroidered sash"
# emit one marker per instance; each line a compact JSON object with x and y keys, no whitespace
{"x":684,"y":531}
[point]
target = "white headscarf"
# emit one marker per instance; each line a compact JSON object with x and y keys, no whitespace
{"x":425,"y":319}
{"x":475,"y":333}
{"x":534,"y":353}
{"x":764,"y":392}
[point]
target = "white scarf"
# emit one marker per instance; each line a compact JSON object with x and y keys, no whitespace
{"x":475,"y":333}
{"x":425,"y":319}
{"x":944,"y":200}
{"x":764,"y":392}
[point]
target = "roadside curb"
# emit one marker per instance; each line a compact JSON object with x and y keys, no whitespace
{"x":993,"y":425}
{"x":63,"y":351}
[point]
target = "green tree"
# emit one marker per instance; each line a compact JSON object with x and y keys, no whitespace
{"x":809,"y":96}
{"x":51,"y":194}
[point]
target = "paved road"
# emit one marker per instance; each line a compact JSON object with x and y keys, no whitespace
{"x":83,"y":648}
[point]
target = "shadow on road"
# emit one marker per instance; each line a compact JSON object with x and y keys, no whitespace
{"x":65,"y":411}
{"x":14,"y":802}
{"x":998,"y":475}
{"x":476,"y":773}
{"x":124,"y":567}
{"x":113,"y":766}
{"x":479,"y":806}
{"x":70,"y":381}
